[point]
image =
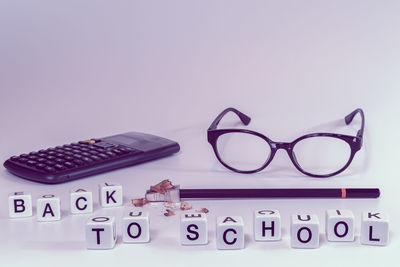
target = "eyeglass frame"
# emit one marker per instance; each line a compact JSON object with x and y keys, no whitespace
{"x":355,"y":142}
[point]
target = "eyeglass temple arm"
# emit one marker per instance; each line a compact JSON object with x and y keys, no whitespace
{"x":349,"y":118}
{"x":243,"y":117}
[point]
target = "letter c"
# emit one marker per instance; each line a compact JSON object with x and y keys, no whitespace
{"x":224,"y":236}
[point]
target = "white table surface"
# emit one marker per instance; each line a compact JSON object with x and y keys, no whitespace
{"x":78,"y":69}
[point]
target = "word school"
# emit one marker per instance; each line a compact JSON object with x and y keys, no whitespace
{"x":101,"y":230}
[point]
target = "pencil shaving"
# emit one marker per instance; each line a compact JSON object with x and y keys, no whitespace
{"x":139,"y":202}
{"x":185,"y":206}
{"x":203,"y":210}
{"x":162,"y":187}
{"x":169,"y":213}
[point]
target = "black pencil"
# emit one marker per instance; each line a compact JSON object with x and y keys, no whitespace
{"x":176,"y":194}
{"x":282,"y":193}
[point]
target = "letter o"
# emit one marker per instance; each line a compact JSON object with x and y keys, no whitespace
{"x":100,"y":219}
{"x":346,"y":229}
{"x":299,"y":235}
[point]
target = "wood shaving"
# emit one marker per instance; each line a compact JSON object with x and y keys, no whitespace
{"x":203,"y":210}
{"x":185,"y":206}
{"x":169,"y":213}
{"x":139,"y":202}
{"x":162,"y":187}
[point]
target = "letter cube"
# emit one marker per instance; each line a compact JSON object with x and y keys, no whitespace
{"x":48,"y":208}
{"x":339,"y":225}
{"x":101,"y":233}
{"x":19,"y":205}
{"x":267,"y":225}
{"x":194,"y":229}
{"x":136,"y":227}
{"x":230,"y":232}
{"x":304,"y":231}
{"x":110,"y":195}
{"x":81,"y":201}
{"x":374,"y":229}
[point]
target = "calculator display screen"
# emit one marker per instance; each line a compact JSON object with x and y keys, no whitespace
{"x":123,"y":140}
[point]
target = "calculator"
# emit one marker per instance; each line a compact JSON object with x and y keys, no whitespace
{"x":93,"y":156}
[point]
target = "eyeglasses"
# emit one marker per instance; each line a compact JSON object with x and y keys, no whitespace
{"x":316,"y":154}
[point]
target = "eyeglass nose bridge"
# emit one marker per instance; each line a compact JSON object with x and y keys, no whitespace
{"x":282,"y":145}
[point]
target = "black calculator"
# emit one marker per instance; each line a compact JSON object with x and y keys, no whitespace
{"x":85,"y":158}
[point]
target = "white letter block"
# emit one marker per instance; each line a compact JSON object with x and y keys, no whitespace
{"x":81,"y":201}
{"x":339,"y":225}
{"x":267,"y":225}
{"x":48,"y":208}
{"x":101,"y":233}
{"x":136,"y":227}
{"x":194,"y":229}
{"x":304,"y":231}
{"x":230,"y":232}
{"x":110,"y":195}
{"x":374,"y":229}
{"x":19,"y":205}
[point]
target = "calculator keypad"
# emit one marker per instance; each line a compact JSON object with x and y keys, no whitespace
{"x":71,"y":156}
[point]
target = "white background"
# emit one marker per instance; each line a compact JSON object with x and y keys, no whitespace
{"x":71,"y":70}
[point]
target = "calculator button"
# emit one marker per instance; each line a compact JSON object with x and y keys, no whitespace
{"x":127,"y":150}
{"x":49,"y":162}
{"x":59,"y":160}
{"x":60,"y":155}
{"x":86,"y":159}
{"x":104,"y":156}
{"x":49,"y":169}
{"x":41,"y":155}
{"x":14,"y":158}
{"x":32,"y":157}
{"x":78,"y":162}
{"x":117,"y":151}
{"x":59,"y":167}
{"x":68,"y":158}
{"x":104,"y":145}
{"x":22,"y":160}
{"x":67,"y":148}
{"x":51,"y":152}
{"x":41,"y":160}
{"x":84,"y":149}
{"x":95,"y":158}
{"x":68,"y":153}
{"x":24,"y":155}
{"x":94,"y":152}
{"x":50,"y":157}
{"x":69,"y":164}
{"x":110,"y":153}
{"x":76,"y":151}
{"x":33,"y":153}
{"x":86,"y":154}
{"x":40,"y":165}
{"x":31,"y":162}
{"x":78,"y":156}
